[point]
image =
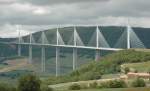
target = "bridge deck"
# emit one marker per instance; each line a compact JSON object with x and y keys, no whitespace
{"x":67,"y":46}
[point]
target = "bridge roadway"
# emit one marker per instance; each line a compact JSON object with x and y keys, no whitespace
{"x":67,"y":46}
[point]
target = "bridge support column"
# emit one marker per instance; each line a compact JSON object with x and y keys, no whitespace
{"x":19,"y":49}
{"x":57,"y":61}
{"x":43,"y":59}
{"x":97,"y":55}
{"x":128,"y":37}
{"x":19,"y":41}
{"x":74,"y":58}
{"x":30,"y":54}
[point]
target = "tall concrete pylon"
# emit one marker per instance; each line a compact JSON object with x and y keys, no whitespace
{"x":19,"y":40}
{"x":97,"y":53}
{"x":43,"y":52}
{"x":30,"y":49}
{"x":57,"y":53}
{"x":74,"y":49}
{"x":128,"y":37}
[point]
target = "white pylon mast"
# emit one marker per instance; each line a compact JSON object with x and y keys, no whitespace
{"x":19,"y":41}
{"x":74,"y":35}
{"x":43,"y":53}
{"x":97,"y":44}
{"x":30,"y":49}
{"x":128,"y":36}
{"x":74,"y":49}
{"x":57,"y":54}
{"x":97,"y":37}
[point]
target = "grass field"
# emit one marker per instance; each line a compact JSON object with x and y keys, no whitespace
{"x":2,"y":66}
{"x":140,"y":67}
{"x":112,"y":89}
{"x":65,"y":86}
{"x":108,"y":76}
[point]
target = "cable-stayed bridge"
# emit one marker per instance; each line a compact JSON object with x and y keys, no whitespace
{"x":97,"y":42}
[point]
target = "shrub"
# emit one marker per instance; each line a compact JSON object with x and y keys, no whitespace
{"x":117,"y":84}
{"x":84,"y":86}
{"x":93,"y":85}
{"x":46,"y":88}
{"x":135,"y":71}
{"x":29,"y":83}
{"x":113,"y":84}
{"x":96,"y":76}
{"x":74,"y":87}
{"x":103,"y":85}
{"x":138,"y":83}
{"x":90,"y":76}
{"x":126,"y":70}
{"x":75,"y":73}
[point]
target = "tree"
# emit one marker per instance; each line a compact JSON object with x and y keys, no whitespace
{"x":74,"y":87}
{"x":138,"y":83}
{"x":126,"y":70}
{"x":29,"y":83}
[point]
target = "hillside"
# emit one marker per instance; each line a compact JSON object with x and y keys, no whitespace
{"x":110,"y":64}
{"x":13,"y":65}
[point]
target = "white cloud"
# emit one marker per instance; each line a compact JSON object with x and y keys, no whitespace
{"x":68,"y":12}
{"x":41,"y":11}
{"x":8,"y":30}
{"x":22,"y":7}
{"x":7,"y":1}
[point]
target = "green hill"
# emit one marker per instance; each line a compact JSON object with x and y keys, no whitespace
{"x":110,"y":64}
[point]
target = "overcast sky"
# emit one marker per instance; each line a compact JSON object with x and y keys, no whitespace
{"x":43,"y":14}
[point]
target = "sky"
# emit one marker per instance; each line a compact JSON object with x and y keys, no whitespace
{"x":35,"y":15}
